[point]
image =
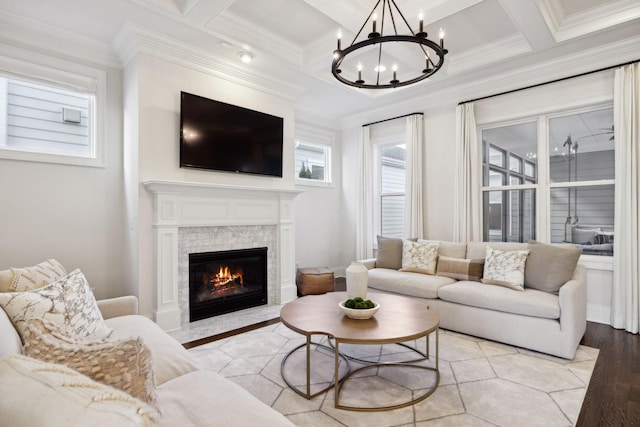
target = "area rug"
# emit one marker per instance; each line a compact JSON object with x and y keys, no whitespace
{"x":482,"y":383}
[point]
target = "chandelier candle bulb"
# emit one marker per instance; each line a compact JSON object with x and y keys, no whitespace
{"x":375,"y":18}
{"x":339,"y":36}
{"x":395,"y":78}
{"x":421,"y":18}
{"x":441,"y":38}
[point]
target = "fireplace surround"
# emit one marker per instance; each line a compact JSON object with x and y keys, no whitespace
{"x":187,"y":207}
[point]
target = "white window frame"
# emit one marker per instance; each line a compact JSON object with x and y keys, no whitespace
{"x":63,"y":75}
{"x":544,"y":185}
{"x":320,"y":138}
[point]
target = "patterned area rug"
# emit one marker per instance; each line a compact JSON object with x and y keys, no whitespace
{"x":482,"y":383}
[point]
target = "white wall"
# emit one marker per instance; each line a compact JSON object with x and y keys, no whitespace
{"x":159,"y":83}
{"x":72,"y":213}
{"x":319,"y":213}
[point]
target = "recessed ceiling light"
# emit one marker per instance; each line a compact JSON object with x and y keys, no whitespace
{"x":380,"y":68}
{"x":245,"y":56}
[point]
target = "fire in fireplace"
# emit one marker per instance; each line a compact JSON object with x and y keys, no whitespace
{"x":225,"y":281}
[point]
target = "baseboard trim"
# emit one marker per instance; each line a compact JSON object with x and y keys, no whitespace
{"x":599,"y":314}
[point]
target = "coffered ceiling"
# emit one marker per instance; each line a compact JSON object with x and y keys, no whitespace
{"x":492,"y":43}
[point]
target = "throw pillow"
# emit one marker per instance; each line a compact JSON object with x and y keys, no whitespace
{"x":549,"y":267}
{"x":505,"y":268}
{"x":389,"y":253}
{"x":68,"y":302}
{"x":36,"y":393}
{"x":450,"y":249}
{"x":419,"y":257}
{"x":28,"y":278}
{"x":460,"y":269}
{"x":124,"y":364}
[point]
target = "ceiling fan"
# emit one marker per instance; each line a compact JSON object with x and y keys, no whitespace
{"x":608,"y":131}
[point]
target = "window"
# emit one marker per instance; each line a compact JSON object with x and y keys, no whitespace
{"x":313,"y":156}
{"x":51,"y":115}
{"x":551,"y":178}
{"x":392,"y":167}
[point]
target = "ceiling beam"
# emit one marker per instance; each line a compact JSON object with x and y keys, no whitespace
{"x":526,"y":16}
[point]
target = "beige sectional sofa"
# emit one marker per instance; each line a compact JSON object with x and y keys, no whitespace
{"x":36,"y":393}
{"x":546,"y":317}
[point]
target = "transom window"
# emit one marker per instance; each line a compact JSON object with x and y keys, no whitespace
{"x":45,"y":119}
{"x":313,"y":156}
{"x":51,"y":115}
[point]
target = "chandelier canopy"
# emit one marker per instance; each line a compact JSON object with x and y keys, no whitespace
{"x":347,"y":63}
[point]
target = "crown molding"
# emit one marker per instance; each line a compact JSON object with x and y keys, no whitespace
{"x":133,"y":40}
{"x":493,"y":52}
{"x":53,"y":41}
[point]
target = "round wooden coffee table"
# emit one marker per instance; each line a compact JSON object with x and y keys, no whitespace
{"x":398,"y":320}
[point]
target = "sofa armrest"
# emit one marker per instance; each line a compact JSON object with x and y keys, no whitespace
{"x":573,"y":304}
{"x":369,"y":263}
{"x":120,"y":306}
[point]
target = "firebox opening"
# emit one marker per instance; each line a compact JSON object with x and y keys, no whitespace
{"x":226,"y":281}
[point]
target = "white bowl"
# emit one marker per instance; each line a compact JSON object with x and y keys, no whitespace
{"x":359,"y":313}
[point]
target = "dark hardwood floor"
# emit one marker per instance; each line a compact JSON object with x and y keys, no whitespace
{"x":613,"y":396}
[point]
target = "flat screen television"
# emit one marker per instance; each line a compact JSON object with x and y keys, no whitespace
{"x":223,"y":137}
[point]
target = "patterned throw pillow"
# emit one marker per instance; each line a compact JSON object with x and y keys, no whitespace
{"x":36,"y":393}
{"x":505,"y":268}
{"x":124,"y":364}
{"x":419,"y":257}
{"x":460,"y":269}
{"x":68,"y":302}
{"x":28,"y":278}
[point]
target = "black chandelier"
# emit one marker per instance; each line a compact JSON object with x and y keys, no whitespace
{"x":425,"y":50}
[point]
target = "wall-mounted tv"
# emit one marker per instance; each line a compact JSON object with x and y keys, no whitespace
{"x":223,"y":137}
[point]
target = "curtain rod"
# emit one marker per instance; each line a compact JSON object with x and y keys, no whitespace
{"x":549,"y":82}
{"x":393,"y":118}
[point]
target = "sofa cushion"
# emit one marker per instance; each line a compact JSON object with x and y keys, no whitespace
{"x":419,"y":257}
{"x":460,"y":269}
{"x":124,"y":364}
{"x":10,"y":342}
{"x":204,"y":398}
{"x":505,"y":268}
{"x":450,"y":249}
{"x":530,"y":302}
{"x":28,"y":278}
{"x":170,"y":359}
{"x":68,"y":302}
{"x":407,"y":283}
{"x":549,"y":267}
{"x":389,"y":253}
{"x":36,"y":393}
{"x":477,"y":250}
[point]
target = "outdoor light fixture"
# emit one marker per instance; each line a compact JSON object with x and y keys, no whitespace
{"x":425,"y":51}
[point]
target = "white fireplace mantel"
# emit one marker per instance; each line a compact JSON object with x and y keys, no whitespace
{"x":188,"y":204}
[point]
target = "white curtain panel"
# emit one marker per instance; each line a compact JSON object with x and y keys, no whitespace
{"x":413,"y":212}
{"x":625,"y":305}
{"x":364,"y":205}
{"x":467,"y":220}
